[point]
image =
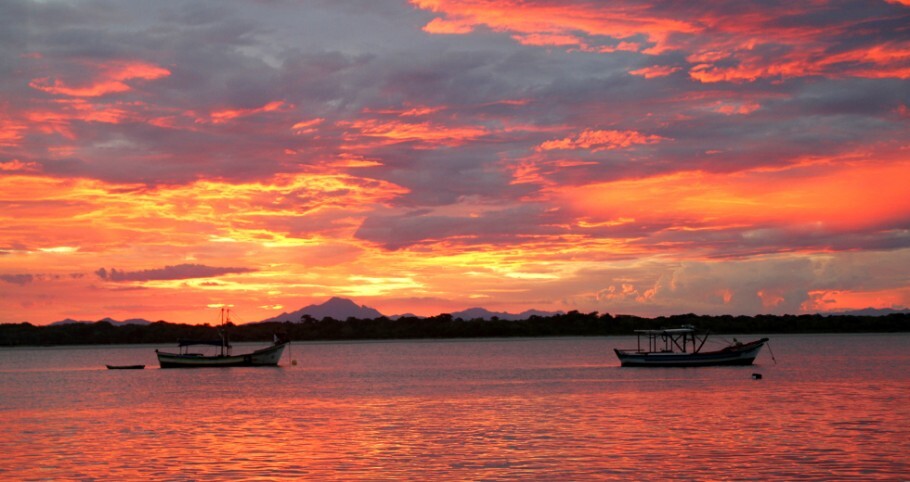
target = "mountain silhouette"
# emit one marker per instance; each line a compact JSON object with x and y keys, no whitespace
{"x":337,"y":308}
{"x":133,"y":321}
{"x":342,"y":309}
{"x":484,"y":314}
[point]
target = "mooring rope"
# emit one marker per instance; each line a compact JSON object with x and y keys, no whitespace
{"x":771,"y":352}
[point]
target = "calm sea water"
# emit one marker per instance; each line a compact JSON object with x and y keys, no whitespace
{"x":832,"y":407}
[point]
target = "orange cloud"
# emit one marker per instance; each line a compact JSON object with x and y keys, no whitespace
{"x":829,"y":199}
{"x":59,"y":211}
{"x":734,"y":108}
{"x":11,"y":132}
{"x":307,"y":127}
{"x":420,"y":111}
{"x":655,"y":71}
{"x":106,"y":78}
{"x":600,"y":140}
{"x":846,"y":300}
{"x":408,"y":111}
{"x":392,"y":132}
{"x":742,"y":46}
{"x":534,"y":23}
{"x":556,"y":40}
{"x":57,"y":116}
{"x":17,"y":165}
{"x":735,"y":59}
{"x":276,"y":227}
{"x":352,"y":160}
{"x":440,"y":26}
{"x":883,"y":61}
{"x":227,"y":115}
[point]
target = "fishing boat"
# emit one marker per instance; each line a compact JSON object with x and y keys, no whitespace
{"x":125,"y":367}
{"x":265,"y":357}
{"x":682,"y":347}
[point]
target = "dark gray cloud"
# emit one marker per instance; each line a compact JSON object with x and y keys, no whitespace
{"x":337,"y":61}
{"x":23,"y":279}
{"x":180,"y":271}
{"x":396,"y":231}
{"x":17,"y":279}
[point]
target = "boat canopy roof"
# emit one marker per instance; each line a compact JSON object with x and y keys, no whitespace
{"x":670,"y":331}
{"x":201,"y":342}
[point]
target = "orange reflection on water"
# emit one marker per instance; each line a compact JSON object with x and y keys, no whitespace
{"x":549,"y":409}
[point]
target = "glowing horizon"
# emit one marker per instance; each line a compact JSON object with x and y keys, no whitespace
{"x":436,"y":155}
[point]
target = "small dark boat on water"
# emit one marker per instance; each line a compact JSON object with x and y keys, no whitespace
{"x":125,"y":367}
{"x":682,"y":347}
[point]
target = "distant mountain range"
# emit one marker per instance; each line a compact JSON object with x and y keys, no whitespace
{"x":869,"y":312}
{"x":134,"y":321}
{"x":337,"y":308}
{"x":482,"y":313}
{"x":342,"y":309}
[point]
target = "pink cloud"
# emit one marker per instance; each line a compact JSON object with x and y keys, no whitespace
{"x":555,"y":40}
{"x":11,"y":132}
{"x":655,"y":71}
{"x":17,"y":165}
{"x":722,"y":44}
{"x":736,"y":108}
{"x":372,"y":131}
{"x":307,"y":127}
{"x":227,"y":115}
{"x":105,"y":78}
{"x":441,"y":26}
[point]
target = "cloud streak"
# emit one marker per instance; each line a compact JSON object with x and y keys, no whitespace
{"x":176,"y":272}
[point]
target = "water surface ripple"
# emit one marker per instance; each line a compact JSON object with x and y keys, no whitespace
{"x":833,"y":407}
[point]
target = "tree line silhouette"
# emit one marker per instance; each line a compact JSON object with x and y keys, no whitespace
{"x":572,"y":323}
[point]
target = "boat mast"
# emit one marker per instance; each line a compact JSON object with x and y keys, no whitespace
{"x":222,"y":332}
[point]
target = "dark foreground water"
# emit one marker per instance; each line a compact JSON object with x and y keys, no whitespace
{"x":833,"y":407}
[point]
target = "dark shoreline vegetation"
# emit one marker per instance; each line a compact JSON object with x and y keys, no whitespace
{"x":442,"y":326}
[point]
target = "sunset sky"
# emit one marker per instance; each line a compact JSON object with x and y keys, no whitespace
{"x":427,"y":156}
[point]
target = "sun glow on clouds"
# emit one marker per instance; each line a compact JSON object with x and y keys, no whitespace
{"x":11,"y":130}
{"x":377,"y":132}
{"x":722,"y":46}
{"x":655,"y":71}
{"x":228,"y":115}
{"x":845,"y":300}
{"x":698,"y":199}
{"x":305,"y":218}
{"x":266,"y":214}
{"x":17,"y":165}
{"x":568,"y":24}
{"x":599,"y":140}
{"x":308,"y":126}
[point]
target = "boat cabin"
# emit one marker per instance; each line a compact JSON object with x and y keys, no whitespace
{"x":185,"y":345}
{"x":673,"y":340}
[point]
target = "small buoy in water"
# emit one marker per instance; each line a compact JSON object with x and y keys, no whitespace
{"x":294,"y":362}
{"x":756,"y":376}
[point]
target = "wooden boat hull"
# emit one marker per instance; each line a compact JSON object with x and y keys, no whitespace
{"x":734,"y":355}
{"x":125,"y":367}
{"x":266,"y":357}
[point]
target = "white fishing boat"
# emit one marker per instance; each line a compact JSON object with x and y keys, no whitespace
{"x":186,"y":358}
{"x":682,"y":347}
